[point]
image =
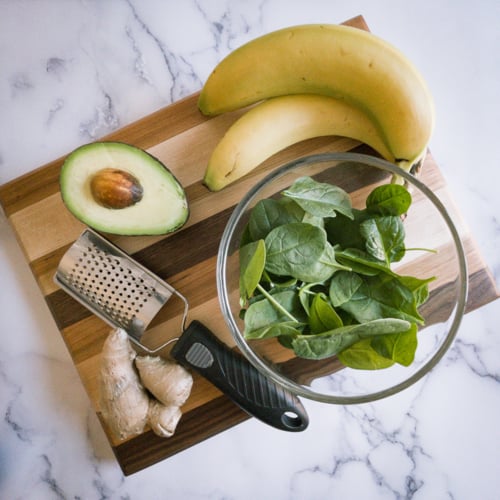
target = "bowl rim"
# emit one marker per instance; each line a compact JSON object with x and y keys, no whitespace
{"x":224,"y":302}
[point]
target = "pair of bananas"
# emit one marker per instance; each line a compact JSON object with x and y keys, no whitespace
{"x":311,"y":81}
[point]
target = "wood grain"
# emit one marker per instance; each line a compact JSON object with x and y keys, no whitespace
{"x":183,"y":139}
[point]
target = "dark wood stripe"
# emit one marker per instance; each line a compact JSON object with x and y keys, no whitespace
{"x":194,"y":427}
{"x":186,"y":248}
{"x":65,"y":309}
{"x":167,"y":258}
{"x":482,"y":290}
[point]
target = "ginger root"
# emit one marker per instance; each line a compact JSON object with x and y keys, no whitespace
{"x":124,"y":402}
{"x":126,"y":405}
{"x":167,"y":381}
{"x":170,"y":384}
{"x":163,"y":419}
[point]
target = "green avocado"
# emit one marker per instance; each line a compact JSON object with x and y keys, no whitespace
{"x":117,"y":188}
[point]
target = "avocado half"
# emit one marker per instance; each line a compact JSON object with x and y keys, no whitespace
{"x":117,"y":188}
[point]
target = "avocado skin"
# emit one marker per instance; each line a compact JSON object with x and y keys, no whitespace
{"x":163,"y":208}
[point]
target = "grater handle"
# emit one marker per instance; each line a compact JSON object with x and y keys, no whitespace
{"x":229,"y":371}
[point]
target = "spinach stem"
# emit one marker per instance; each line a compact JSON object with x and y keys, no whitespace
{"x":418,"y":249}
{"x":276,"y":304}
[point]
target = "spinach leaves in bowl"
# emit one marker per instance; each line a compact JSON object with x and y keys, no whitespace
{"x":317,"y":274}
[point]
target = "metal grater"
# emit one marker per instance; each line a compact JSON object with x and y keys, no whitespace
{"x":116,"y":288}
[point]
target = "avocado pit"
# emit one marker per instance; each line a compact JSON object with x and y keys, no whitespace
{"x":115,"y":188}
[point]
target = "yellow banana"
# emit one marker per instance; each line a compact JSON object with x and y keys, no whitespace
{"x":279,"y":122}
{"x":335,"y":60}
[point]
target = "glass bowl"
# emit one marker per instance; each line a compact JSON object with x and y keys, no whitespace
{"x":436,"y":251}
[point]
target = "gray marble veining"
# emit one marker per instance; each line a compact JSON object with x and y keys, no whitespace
{"x":75,"y":71}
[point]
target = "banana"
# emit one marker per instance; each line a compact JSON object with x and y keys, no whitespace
{"x":335,"y":60}
{"x":279,"y":122}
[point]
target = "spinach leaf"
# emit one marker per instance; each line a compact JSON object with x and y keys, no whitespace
{"x":332,"y":342}
{"x":361,"y":262}
{"x":389,"y":199}
{"x":343,"y":287}
{"x":344,"y":231}
{"x":325,"y":267}
{"x":269,"y":214}
{"x":252,"y":261}
{"x":384,"y":237}
{"x":285,"y":329}
{"x":314,"y":220}
{"x":286,"y":340}
{"x":308,"y":291}
{"x":322,"y":315}
{"x":245,"y":237}
{"x":419,"y":287}
{"x":362,"y":356}
{"x":278,"y":281}
{"x":294,"y":249}
{"x":283,"y":306}
{"x":319,"y":198}
{"x":398,"y":347}
{"x":382,"y":296}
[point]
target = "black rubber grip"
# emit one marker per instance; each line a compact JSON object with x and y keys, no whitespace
{"x":198,"y":348}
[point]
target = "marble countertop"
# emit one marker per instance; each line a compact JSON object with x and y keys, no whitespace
{"x":75,"y":70}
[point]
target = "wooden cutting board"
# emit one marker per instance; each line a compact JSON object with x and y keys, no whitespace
{"x":183,"y":139}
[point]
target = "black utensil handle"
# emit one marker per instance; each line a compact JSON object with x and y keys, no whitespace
{"x":229,"y":371}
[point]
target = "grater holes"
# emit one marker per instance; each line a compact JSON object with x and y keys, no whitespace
{"x":111,"y":286}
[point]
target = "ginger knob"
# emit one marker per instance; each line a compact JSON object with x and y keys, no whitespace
{"x":168,"y":382}
{"x":124,"y":403}
{"x":163,"y":419}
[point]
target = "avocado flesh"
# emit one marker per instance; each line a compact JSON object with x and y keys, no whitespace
{"x":163,"y":207}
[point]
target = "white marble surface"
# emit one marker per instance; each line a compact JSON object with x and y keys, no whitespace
{"x":74,"y":70}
